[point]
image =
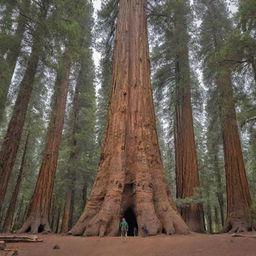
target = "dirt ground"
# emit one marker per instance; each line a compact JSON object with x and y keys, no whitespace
{"x":177,"y":245}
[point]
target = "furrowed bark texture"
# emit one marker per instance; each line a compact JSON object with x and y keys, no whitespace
{"x":187,"y":173}
{"x":13,"y":135}
{"x":130,"y":172}
{"x":38,"y":216}
{"x":68,"y":209}
{"x":238,"y":194}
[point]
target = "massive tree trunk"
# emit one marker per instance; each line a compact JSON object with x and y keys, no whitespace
{"x":13,"y":136}
{"x":130,"y":181}
{"x":11,"y":59}
{"x":187,"y":174}
{"x":238,"y":194}
{"x":38,"y":216}
{"x":11,"y":209}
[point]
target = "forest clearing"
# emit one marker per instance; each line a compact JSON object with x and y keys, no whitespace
{"x":128,"y":127}
{"x":176,"y":245}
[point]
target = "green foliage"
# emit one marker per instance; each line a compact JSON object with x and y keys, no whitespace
{"x":246,"y":15}
{"x":196,"y":198}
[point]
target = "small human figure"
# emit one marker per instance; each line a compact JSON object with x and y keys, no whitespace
{"x":145,"y":231}
{"x":135,"y":231}
{"x":124,"y":227}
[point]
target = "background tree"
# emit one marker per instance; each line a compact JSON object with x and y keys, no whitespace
{"x":173,"y":69}
{"x":214,"y":25}
{"x":11,"y":46}
{"x":13,"y":135}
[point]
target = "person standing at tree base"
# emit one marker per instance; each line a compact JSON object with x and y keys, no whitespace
{"x":124,"y":227}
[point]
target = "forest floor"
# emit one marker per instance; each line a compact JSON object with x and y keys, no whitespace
{"x":176,"y":245}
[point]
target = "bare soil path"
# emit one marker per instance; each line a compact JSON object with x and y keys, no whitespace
{"x":177,"y":245}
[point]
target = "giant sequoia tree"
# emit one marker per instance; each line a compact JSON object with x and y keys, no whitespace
{"x":38,"y":215}
{"x":130,"y":181}
{"x":12,"y":138}
{"x":187,"y":173}
{"x":215,"y":25}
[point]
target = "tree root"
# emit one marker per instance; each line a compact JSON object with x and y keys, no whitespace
{"x":236,"y":225}
{"x":106,"y":222}
{"x":35,"y":225}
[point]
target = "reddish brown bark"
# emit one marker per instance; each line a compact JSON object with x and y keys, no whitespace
{"x":11,"y":209}
{"x":13,"y":136}
{"x":38,"y":216}
{"x":68,"y":211}
{"x":68,"y":208}
{"x":238,"y":195}
{"x":131,"y":175}
{"x":187,"y":174}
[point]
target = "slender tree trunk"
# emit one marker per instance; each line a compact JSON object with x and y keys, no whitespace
{"x":131,"y":176}
{"x":11,"y":210}
{"x":216,"y":220}
{"x":11,"y":60}
{"x":38,"y":216}
{"x":56,"y":219}
{"x":68,"y":210}
{"x":187,"y":174}
{"x":219,"y":186}
{"x":20,"y":212}
{"x":13,"y":136}
{"x":238,"y":195}
{"x":53,"y":211}
{"x":209,"y":217}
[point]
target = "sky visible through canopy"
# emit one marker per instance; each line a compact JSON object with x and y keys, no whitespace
{"x":97,"y":55}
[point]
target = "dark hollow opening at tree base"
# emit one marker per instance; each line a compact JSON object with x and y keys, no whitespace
{"x":132,"y":222}
{"x":41,"y":228}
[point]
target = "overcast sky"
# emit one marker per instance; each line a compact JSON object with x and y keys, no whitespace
{"x":96,"y":55}
{"x":96,"y":4}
